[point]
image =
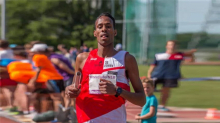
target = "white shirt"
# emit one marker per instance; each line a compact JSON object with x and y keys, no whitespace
{"x":6,"y":54}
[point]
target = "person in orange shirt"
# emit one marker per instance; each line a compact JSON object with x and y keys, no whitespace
{"x":54,"y":84}
{"x":21,"y":90}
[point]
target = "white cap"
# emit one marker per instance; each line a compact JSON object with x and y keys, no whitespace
{"x":39,"y":47}
{"x":118,"y":47}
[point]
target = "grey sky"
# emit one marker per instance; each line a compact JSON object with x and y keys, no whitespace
{"x":191,"y":15}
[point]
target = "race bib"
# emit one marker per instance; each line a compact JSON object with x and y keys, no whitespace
{"x":94,"y":80}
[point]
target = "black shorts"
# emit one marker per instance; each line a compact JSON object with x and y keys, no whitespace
{"x":52,"y":86}
{"x":40,"y":88}
{"x":41,"y":91}
{"x":55,"y":86}
{"x":172,"y":83}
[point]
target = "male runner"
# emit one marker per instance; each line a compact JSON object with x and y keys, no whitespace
{"x":105,"y":79}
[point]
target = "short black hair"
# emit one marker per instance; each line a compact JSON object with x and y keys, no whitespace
{"x":107,"y":15}
{"x":4,"y":44}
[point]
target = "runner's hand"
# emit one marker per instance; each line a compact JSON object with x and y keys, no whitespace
{"x":107,"y":87}
{"x":71,"y":91}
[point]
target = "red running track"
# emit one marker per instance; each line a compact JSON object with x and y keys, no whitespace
{"x":5,"y":120}
{"x":180,"y":115}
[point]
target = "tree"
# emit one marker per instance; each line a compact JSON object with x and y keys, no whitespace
{"x":59,"y":21}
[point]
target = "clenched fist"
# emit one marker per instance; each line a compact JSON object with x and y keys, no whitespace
{"x":107,"y":87}
{"x":71,"y":91}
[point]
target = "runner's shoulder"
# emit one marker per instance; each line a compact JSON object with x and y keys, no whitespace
{"x":82,"y":56}
{"x":129,"y":58}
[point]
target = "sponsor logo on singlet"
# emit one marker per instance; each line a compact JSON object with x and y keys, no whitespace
{"x":111,"y":63}
{"x":93,"y":59}
{"x":107,"y":64}
{"x":99,"y":64}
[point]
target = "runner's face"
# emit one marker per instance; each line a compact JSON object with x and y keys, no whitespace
{"x":105,"y":31}
{"x":148,"y":89}
{"x":170,"y":46}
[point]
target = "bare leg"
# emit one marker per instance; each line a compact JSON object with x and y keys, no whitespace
{"x":36,"y":102}
{"x":44,"y":102}
{"x":67,"y":100}
{"x":57,"y":99}
{"x":44,"y":105}
{"x":8,"y":92}
{"x":22,"y":98}
{"x":165,"y":92}
{"x":3,"y":102}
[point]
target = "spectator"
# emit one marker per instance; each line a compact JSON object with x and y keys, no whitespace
{"x":149,"y":110}
{"x":55,"y":83}
{"x":21,"y":91}
{"x":85,"y":48}
{"x":5,"y":51}
{"x":7,"y":85}
{"x":73,"y":52}
{"x":64,"y":51}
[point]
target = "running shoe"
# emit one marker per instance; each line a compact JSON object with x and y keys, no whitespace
{"x":62,"y":114}
{"x":13,"y":109}
{"x":163,"y":109}
{"x":44,"y":117}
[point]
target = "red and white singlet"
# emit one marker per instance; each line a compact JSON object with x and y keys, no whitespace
{"x":91,"y":105}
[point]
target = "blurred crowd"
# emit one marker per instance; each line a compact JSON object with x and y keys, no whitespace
{"x":72,"y":53}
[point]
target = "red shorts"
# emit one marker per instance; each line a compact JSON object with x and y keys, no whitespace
{"x":7,"y":82}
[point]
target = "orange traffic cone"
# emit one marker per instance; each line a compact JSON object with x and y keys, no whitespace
{"x":212,"y":113}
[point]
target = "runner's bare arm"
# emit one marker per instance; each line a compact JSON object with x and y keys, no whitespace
{"x":82,"y":60}
{"x":150,"y":70}
{"x":71,"y":91}
{"x":62,"y":65}
{"x":138,"y":97}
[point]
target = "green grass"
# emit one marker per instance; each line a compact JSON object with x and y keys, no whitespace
{"x":198,"y":94}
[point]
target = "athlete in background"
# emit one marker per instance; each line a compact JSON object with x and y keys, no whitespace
{"x":166,"y":70}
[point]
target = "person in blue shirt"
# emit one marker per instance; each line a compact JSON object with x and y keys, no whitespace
{"x":149,"y":110}
{"x":166,"y":70}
